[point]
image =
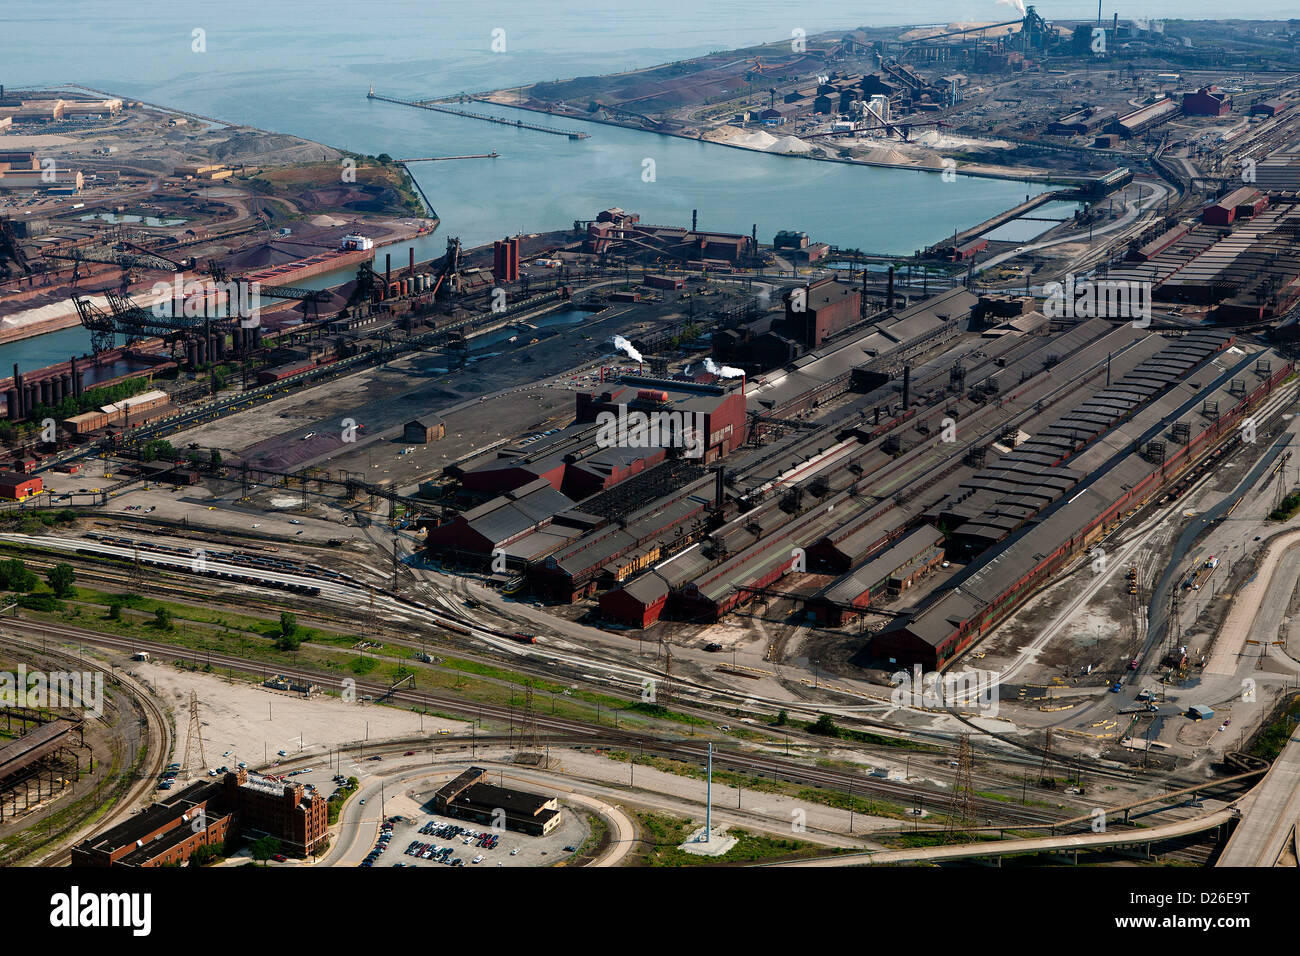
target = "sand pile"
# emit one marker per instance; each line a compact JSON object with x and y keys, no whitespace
{"x":788,"y":144}
{"x":735,"y":136}
{"x":888,"y":154}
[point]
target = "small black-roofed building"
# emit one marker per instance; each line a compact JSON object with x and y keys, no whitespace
{"x":423,"y":431}
{"x":470,"y":797}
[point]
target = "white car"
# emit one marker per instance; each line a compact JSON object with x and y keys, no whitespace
{"x":515,"y":851}
{"x":281,"y":753}
{"x":478,"y":859}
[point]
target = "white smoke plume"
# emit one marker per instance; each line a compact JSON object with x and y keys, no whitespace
{"x":722,"y":371}
{"x":1018,"y":4}
{"x":623,"y":345}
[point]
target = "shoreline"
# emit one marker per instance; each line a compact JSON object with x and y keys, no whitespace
{"x":978,"y":172}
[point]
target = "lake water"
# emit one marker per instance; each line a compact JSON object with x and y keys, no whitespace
{"x":304,"y":68}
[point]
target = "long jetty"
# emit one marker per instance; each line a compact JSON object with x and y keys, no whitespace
{"x":517,"y":124}
{"x":442,"y":159}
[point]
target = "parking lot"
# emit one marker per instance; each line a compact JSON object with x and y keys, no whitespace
{"x":430,"y":840}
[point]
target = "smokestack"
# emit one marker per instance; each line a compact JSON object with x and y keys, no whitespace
{"x":410,"y":265}
{"x":907,"y":387}
{"x":388,"y":271}
{"x":22,"y":396}
{"x":719,"y":488}
{"x":694,"y":219}
{"x":889,"y":289}
{"x":877,"y":415}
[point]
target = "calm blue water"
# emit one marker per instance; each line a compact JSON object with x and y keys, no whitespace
{"x":1022,"y":230}
{"x":304,"y":68}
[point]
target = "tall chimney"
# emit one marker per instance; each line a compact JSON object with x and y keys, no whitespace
{"x":719,"y":488}
{"x":889,"y":289}
{"x":907,"y":387}
{"x":694,"y":219}
{"x":388,"y":271}
{"x":410,"y":266}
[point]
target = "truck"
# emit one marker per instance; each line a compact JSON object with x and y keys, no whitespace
{"x":1202,"y":573}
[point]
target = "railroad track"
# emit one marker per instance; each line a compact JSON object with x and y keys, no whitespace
{"x":158,"y":729}
{"x":576,"y":731}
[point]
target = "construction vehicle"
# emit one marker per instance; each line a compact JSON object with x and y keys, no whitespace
{"x":1202,"y":574}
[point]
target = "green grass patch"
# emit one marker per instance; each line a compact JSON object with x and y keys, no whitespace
{"x":662,"y":835}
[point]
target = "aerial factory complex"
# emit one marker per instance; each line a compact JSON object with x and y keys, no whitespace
{"x":336,"y":541}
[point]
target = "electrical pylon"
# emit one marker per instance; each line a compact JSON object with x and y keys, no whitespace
{"x":193,"y":737}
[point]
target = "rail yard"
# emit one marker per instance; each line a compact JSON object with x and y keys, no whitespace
{"x":620,"y":543}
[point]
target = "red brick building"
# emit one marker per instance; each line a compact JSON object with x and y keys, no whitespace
{"x":19,"y":487}
{"x":208,"y":813}
{"x":1207,"y":101}
{"x":815,"y":312}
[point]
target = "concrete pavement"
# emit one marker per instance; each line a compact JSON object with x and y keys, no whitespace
{"x":1271,"y":813}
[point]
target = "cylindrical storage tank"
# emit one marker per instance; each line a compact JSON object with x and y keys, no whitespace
{"x":56,"y":391}
{"x":191,"y":354}
{"x":11,"y":400}
{"x":30,"y":396}
{"x":45,"y":391}
{"x":66,"y":385}
{"x":257,"y":337}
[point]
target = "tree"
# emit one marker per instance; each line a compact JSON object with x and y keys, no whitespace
{"x":264,"y":848}
{"x":288,"y":639}
{"x":162,"y":619}
{"x":14,"y":576}
{"x":61,"y":577}
{"x":214,"y":459}
{"x":203,"y":855}
{"x":115,"y":611}
{"x":782,"y":718}
{"x":825,"y":726}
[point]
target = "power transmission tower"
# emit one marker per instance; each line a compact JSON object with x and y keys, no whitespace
{"x":664,"y":694}
{"x":1175,"y":620}
{"x":137,"y":571}
{"x":528,"y":731}
{"x":1045,"y":767}
{"x":372,"y":621}
{"x":193,"y":738}
{"x":960,"y":811}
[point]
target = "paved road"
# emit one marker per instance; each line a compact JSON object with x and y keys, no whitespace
{"x":1081,"y":841}
{"x":1270,"y":814}
{"x":1257,"y":608}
